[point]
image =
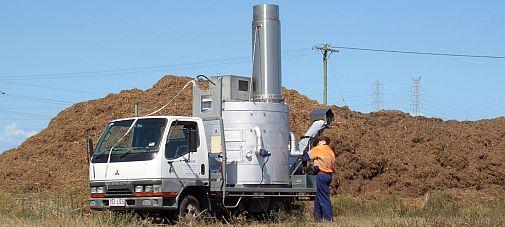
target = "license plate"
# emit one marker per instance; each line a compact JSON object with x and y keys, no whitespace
{"x":116,"y":202}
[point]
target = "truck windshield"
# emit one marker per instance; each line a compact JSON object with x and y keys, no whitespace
{"x":143,"y":138}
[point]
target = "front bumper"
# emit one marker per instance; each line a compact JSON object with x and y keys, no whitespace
{"x":135,"y":203}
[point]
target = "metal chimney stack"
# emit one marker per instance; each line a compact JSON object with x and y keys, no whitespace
{"x":266,"y":48}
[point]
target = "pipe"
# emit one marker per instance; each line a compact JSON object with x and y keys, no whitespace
{"x":294,"y":148}
{"x":259,"y":139}
{"x":297,"y":150}
{"x":315,"y":130}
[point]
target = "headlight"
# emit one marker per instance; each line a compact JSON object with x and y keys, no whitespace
{"x":157,"y":188}
{"x":149,"y":188}
{"x":139,"y":188}
{"x":99,"y":190}
{"x":93,"y":190}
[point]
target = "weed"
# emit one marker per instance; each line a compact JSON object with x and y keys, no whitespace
{"x":439,"y":204}
{"x":343,"y":205}
{"x":392,"y":206}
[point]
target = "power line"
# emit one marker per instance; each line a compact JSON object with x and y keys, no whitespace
{"x":36,"y":108}
{"x":459,"y":102}
{"x":354,"y":97}
{"x":23,"y":113}
{"x":396,"y":101}
{"x":132,"y":69}
{"x":421,"y":53}
{"x":397,"y":106}
{"x":31,"y":107}
{"x":101,"y":74}
{"x":338,"y":84}
{"x":452,"y":111}
{"x":463,"y":109}
{"x":52,"y":88}
{"x":439,"y":113}
{"x":24,"y":119}
{"x":455,"y":108}
{"x":386,"y":103}
{"x":197,"y":64}
{"x":24,"y":129}
{"x":37,"y":99}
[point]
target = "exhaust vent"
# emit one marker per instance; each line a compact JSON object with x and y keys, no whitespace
{"x":266,"y":47}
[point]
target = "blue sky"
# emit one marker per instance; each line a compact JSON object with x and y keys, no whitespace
{"x":62,"y":37}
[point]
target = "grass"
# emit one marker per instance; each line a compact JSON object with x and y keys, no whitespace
{"x":438,"y":209}
{"x":42,"y":209}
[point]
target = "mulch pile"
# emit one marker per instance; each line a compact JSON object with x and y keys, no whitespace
{"x":381,"y":153}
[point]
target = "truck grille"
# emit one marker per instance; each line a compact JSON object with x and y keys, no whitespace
{"x":119,"y":191}
{"x":119,"y":188}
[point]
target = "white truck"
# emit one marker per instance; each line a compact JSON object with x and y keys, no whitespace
{"x":235,"y":152}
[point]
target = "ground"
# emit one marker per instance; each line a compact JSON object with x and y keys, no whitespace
{"x":437,"y":208}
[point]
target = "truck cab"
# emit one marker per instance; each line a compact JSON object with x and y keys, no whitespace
{"x":146,"y":162}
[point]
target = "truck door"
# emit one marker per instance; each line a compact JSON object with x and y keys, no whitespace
{"x":184,"y":165}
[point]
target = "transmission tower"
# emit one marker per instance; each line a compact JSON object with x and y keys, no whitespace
{"x":415,"y":104}
{"x":326,"y":50}
{"x":377,"y":96}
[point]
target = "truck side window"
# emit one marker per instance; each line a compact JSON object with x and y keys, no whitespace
{"x":177,"y":143}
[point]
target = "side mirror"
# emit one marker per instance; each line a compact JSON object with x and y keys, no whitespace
{"x":192,"y":140}
{"x":89,"y":146}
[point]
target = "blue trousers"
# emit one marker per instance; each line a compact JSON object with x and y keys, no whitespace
{"x":322,"y":204}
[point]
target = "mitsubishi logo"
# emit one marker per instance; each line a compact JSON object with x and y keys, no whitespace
{"x":117,"y":172}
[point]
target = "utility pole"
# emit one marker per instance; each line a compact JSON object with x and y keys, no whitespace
{"x":415,"y":104}
{"x":326,"y":50}
{"x":377,"y":96}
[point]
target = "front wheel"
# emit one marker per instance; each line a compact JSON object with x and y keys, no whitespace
{"x":189,"y":208}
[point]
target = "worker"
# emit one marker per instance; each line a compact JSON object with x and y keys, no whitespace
{"x":324,"y":159}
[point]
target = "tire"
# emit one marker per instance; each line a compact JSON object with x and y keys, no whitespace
{"x":189,"y":208}
{"x":277,"y":205}
{"x":276,"y":210}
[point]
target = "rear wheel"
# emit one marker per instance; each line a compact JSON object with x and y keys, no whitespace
{"x":277,"y":206}
{"x":276,"y":209}
{"x":189,"y":208}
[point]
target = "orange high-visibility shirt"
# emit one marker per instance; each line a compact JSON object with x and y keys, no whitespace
{"x":323,"y":157}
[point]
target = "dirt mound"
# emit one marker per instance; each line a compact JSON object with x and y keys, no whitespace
{"x":386,"y":152}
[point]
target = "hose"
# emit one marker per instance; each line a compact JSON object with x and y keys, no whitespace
{"x":262,"y":168}
{"x":175,"y":96}
{"x":206,"y":78}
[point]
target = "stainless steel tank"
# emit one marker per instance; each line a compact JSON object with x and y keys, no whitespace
{"x":266,"y":47}
{"x":245,"y":166}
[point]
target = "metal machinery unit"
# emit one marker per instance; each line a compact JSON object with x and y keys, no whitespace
{"x":256,"y":132}
{"x":235,"y":152}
